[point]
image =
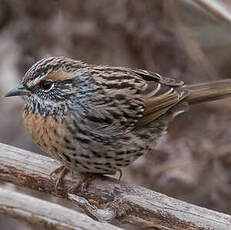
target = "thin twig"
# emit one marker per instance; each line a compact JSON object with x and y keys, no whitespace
{"x":133,"y":204}
{"x":217,"y":8}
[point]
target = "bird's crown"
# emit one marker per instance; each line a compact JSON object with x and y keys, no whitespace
{"x":50,"y":69}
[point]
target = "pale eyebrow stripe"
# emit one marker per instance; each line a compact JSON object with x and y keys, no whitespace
{"x":53,"y":76}
{"x":35,"y":81}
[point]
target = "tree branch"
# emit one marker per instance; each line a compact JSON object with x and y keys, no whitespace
{"x":217,"y":8}
{"x":133,"y":204}
{"x":46,"y":214}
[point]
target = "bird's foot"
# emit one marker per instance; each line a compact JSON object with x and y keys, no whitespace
{"x":87,"y":178}
{"x":120,"y":174}
{"x":61,"y":172}
{"x":82,"y":185}
{"x":106,"y":212}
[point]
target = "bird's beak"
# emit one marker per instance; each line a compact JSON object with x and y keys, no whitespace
{"x":18,"y":91}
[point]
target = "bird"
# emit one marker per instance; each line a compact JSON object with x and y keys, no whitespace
{"x":97,"y":119}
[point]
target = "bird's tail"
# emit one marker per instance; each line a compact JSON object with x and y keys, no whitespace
{"x":208,"y":91}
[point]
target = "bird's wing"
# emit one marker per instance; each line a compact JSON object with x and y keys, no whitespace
{"x":159,"y":96}
{"x":126,"y":99}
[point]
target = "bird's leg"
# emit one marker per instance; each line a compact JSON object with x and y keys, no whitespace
{"x":87,"y":178}
{"x":82,"y":185}
{"x":57,"y":170}
{"x":104,"y":213}
{"x":84,"y":182}
{"x":62,"y":171}
{"x":120,"y":173}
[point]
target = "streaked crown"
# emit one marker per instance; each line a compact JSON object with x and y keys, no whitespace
{"x":52,"y":68}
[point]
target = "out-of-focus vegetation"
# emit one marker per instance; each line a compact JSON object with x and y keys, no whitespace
{"x":174,"y":38}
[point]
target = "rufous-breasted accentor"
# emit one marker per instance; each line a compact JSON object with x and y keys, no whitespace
{"x":96,"y":118}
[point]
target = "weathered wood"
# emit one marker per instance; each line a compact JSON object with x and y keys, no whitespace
{"x":46,"y":214}
{"x":133,"y":204}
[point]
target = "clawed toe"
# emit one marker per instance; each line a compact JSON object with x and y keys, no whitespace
{"x":82,"y":185}
{"x":86,"y":178}
{"x":62,"y":172}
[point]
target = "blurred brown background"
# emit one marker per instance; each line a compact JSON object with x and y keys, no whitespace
{"x":174,"y":38}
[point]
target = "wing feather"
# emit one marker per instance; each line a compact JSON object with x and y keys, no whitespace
{"x":126,"y":99}
{"x":160,"y":95}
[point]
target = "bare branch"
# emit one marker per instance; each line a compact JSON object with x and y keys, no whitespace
{"x":47,"y":214}
{"x":133,"y":204}
{"x":217,"y":8}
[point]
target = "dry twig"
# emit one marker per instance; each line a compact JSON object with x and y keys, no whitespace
{"x":217,"y":8}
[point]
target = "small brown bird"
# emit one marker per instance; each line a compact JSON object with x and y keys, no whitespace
{"x":98,"y":119}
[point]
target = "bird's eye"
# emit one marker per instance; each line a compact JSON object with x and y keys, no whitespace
{"x":47,"y":85}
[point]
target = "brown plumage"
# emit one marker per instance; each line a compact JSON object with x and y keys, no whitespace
{"x":98,"y":119}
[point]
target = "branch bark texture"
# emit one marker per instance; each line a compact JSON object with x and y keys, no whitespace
{"x":133,"y":204}
{"x":46,"y":214}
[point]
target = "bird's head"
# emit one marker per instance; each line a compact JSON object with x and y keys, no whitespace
{"x":48,"y":84}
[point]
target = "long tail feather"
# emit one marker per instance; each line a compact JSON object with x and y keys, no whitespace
{"x":208,"y":91}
